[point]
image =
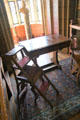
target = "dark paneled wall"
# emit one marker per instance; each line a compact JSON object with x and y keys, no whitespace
{"x":72,"y":11}
{"x":67,"y":11}
{"x":78,"y":12}
{"x":60,"y":16}
{"x":6,"y":42}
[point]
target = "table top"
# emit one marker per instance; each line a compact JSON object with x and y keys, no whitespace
{"x":40,"y":43}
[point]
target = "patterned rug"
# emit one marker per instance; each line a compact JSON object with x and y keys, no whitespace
{"x":65,"y":105}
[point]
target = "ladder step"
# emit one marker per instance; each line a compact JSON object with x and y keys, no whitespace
{"x":23,"y":61}
{"x":50,"y":68}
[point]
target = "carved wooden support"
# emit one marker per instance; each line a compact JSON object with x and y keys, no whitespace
{"x":25,"y":11}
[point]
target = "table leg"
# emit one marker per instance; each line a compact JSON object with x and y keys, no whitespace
{"x":55,"y":58}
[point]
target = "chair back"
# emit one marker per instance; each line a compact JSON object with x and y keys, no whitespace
{"x":22,"y":65}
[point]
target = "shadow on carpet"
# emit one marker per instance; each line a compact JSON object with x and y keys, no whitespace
{"x":65,"y":105}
